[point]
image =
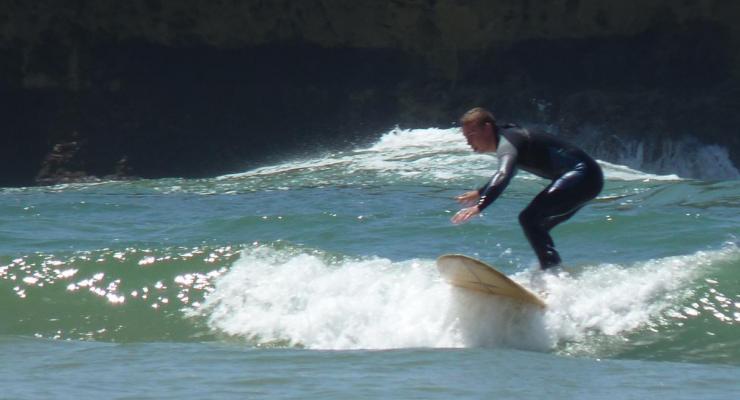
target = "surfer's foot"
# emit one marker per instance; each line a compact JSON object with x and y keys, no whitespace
{"x":549,"y":259}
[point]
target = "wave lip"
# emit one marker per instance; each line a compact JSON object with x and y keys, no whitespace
{"x":425,"y":156}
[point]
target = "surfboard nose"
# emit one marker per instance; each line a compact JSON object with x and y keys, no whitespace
{"x":469,"y":273}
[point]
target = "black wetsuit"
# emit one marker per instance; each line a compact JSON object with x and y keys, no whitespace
{"x":576,"y":179}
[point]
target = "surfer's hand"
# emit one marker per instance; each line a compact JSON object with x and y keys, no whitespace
{"x":465,"y":214}
{"x":468,"y":198}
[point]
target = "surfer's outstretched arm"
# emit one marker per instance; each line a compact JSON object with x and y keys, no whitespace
{"x":499,"y":181}
{"x":487,"y":194}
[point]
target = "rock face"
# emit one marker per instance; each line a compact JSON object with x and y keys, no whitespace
{"x":197,"y":88}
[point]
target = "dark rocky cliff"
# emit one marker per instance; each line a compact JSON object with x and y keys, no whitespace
{"x":157,"y":88}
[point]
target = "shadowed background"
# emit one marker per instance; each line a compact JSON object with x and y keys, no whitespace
{"x":157,"y":88}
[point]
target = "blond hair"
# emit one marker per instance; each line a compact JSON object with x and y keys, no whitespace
{"x":479,"y":116}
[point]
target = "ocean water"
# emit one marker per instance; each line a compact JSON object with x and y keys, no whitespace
{"x":315,"y":278}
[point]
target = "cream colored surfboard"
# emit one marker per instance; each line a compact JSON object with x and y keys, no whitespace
{"x":469,"y":273}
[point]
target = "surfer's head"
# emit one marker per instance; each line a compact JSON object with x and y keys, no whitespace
{"x":479,"y":128}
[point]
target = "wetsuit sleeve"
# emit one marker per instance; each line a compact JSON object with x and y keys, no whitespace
{"x":507,"y":156}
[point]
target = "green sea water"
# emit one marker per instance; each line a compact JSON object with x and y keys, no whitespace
{"x":315,"y":278}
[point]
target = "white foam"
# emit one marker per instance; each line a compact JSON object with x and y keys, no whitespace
{"x":271,"y":296}
{"x":301,"y":299}
{"x":624,"y":173}
{"x":306,"y":301}
{"x":424,"y":155}
{"x":612,"y":301}
{"x":430,"y":138}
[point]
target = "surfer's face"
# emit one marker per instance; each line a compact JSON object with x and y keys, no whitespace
{"x":479,"y":137}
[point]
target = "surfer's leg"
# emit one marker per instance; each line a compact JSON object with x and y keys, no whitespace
{"x":533,"y":222}
{"x":552,"y":222}
{"x":557,"y":203}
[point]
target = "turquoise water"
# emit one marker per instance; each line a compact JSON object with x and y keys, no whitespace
{"x":315,"y":278}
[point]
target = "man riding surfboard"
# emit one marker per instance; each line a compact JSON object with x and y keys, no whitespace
{"x":575,"y":177}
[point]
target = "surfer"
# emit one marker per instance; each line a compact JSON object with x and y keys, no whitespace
{"x":575,"y":177}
